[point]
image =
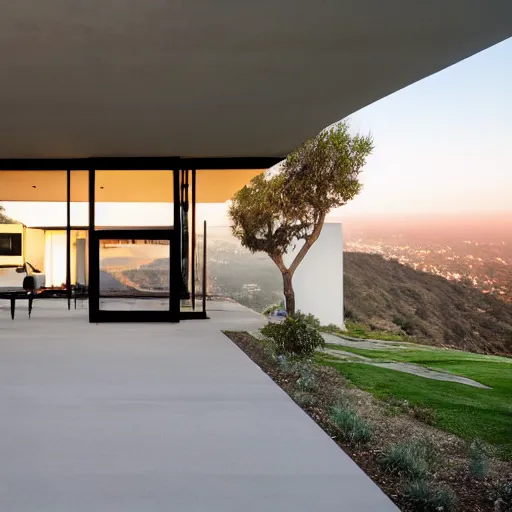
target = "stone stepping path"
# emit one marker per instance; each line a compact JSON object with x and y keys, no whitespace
{"x":411,"y":368}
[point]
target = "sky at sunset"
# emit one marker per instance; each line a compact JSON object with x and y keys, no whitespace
{"x":442,"y":145}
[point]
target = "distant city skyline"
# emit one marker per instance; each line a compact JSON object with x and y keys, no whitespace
{"x":442,"y":145}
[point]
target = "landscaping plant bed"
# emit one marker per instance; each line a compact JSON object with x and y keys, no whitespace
{"x":322,"y":388}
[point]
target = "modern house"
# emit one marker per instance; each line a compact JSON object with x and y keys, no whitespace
{"x":184,"y":103}
{"x":171,"y":264}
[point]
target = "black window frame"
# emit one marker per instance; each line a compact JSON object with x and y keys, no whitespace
{"x":15,"y":242}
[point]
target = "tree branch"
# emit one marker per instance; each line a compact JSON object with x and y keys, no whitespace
{"x":307,"y":245}
{"x":278,"y":260}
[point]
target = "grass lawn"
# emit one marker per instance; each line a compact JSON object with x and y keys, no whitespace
{"x":466,"y":411}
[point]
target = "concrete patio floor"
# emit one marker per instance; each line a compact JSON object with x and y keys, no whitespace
{"x":157,"y":417}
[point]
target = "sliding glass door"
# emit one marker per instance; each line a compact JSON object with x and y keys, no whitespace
{"x":134,"y":276}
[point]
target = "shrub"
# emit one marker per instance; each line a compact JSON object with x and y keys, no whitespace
{"x":332,"y":328}
{"x":310,"y":319}
{"x":354,"y":429}
{"x":393,"y":401}
{"x":408,"y":324}
{"x":295,"y":335}
{"x":272,"y":308}
{"x":303,"y":398}
{"x":286,"y":364}
{"x":349,"y":314}
{"x":306,"y":380}
{"x":503,"y":497}
{"x":410,"y":458}
{"x":399,"y":320}
{"x":425,"y":414}
{"x":478,"y":460}
{"x":428,"y":497}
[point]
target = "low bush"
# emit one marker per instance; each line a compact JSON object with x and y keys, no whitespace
{"x":306,"y":380}
{"x":410,"y":458}
{"x":478,"y":460}
{"x":286,"y":364}
{"x":296,"y":335}
{"x":331,"y":328}
{"x":426,"y":496}
{"x":503,"y":498}
{"x":425,"y":414}
{"x":273,"y":308}
{"x":310,"y":319}
{"x":353,"y":428}
{"x":349,"y":314}
{"x":304,"y":399}
{"x":421,"y":413}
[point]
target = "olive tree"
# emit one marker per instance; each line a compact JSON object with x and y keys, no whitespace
{"x":277,"y":211}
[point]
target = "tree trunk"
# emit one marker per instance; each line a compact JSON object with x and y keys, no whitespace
{"x":289,"y":294}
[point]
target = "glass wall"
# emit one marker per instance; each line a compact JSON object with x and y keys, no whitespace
{"x":134,"y":275}
{"x":134,"y":198}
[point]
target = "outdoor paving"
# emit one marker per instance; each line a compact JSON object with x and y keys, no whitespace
{"x":157,"y":417}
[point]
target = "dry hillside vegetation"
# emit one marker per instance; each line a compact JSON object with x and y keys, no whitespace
{"x":387,"y":295}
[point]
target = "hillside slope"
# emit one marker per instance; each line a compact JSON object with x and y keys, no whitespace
{"x":388,"y":295}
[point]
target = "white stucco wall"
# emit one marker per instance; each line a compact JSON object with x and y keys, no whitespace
{"x":318,"y":281}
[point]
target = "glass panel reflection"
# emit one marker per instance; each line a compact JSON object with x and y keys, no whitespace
{"x":134,"y":275}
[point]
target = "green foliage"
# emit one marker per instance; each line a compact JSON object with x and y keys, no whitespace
{"x":463,"y":410}
{"x":426,"y":496}
{"x":409,"y":458}
{"x":272,"y":308}
{"x":323,"y":173}
{"x":274,"y":212}
{"x":420,"y":412}
{"x":309,"y":319}
{"x":295,"y":335}
{"x":304,"y":399}
{"x":478,"y":460}
{"x":408,"y":324}
{"x":331,"y":328}
{"x":365,"y":331}
{"x":306,"y":380}
{"x":425,"y":414}
{"x":353,"y":428}
{"x":286,"y":363}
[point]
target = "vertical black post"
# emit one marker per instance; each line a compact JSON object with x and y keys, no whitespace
{"x":204,"y":270}
{"x":175,"y":257}
{"x":193,"y":254}
{"x":94,"y":271}
{"x":68,"y":237}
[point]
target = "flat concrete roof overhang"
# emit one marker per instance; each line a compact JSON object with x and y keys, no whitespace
{"x":152,"y":78}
